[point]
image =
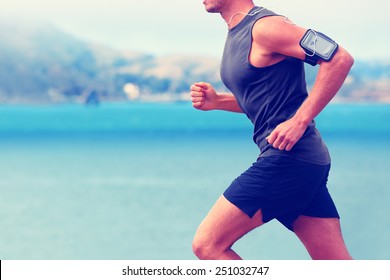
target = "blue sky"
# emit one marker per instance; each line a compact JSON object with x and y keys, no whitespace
{"x":182,"y":26}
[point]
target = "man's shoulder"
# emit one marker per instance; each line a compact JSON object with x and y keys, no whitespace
{"x":268,"y":25}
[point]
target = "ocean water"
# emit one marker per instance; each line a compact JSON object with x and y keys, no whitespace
{"x":133,"y":181}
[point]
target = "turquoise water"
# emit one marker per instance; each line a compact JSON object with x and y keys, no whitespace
{"x":133,"y":181}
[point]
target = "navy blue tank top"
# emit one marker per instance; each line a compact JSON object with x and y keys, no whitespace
{"x":269,"y":95}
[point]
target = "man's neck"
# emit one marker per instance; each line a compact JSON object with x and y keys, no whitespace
{"x":235,"y":14}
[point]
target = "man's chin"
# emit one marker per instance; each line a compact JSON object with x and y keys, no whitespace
{"x":212,"y":11}
{"x":210,"y":8}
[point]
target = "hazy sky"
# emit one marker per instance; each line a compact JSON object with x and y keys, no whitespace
{"x":183,"y":26}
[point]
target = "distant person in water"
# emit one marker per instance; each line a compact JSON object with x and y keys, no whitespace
{"x":263,"y":66}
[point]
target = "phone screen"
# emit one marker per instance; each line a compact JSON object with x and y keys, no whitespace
{"x":319,"y":44}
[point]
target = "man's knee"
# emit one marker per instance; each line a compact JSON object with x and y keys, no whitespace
{"x":204,"y":248}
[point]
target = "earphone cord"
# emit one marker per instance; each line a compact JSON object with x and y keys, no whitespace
{"x":286,"y":20}
{"x":315,"y":44}
{"x":245,"y":14}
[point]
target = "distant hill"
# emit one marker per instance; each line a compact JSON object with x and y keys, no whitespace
{"x":42,"y":64}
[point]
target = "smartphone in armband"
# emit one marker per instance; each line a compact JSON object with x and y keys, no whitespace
{"x":317,"y":46}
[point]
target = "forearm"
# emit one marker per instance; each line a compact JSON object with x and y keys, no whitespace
{"x":330,"y":78}
{"x":227,"y":102}
{"x":205,"y":98}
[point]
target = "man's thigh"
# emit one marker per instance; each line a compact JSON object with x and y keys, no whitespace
{"x":226,"y":223}
{"x":322,"y":237}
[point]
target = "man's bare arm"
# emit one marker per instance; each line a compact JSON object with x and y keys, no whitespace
{"x":275,"y":38}
{"x":330,"y":78}
{"x":205,"y":98}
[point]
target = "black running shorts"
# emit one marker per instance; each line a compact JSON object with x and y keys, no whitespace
{"x":283,"y":188}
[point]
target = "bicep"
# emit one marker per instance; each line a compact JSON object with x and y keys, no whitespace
{"x":276,"y":35}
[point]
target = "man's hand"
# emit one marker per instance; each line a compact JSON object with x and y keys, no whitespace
{"x":286,"y":134}
{"x":203,"y":96}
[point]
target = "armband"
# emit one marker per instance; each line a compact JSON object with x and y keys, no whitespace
{"x":317,"y":46}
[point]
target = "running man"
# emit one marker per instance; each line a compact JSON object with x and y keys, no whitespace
{"x":263,"y":66}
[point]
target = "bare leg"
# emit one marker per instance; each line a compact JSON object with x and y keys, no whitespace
{"x":222,"y":227}
{"x":322,"y":238}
